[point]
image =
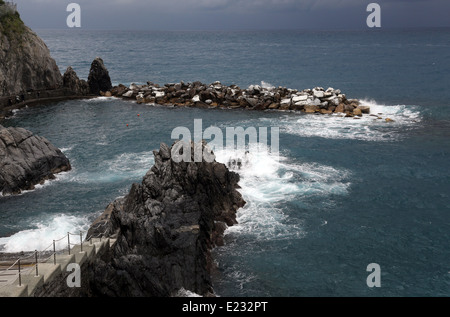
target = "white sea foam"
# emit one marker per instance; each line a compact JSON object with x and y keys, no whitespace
{"x":100,"y":99}
{"x":268,"y":180}
{"x":131,"y":162}
{"x":267,"y":85}
{"x":368,"y":127}
{"x":186,"y":293}
{"x":66,"y":149}
{"x":122,"y":166}
{"x":46,"y":230}
{"x":62,"y":176}
{"x":14,"y":113}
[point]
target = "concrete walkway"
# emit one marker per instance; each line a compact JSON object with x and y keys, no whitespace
{"x":55,"y":266}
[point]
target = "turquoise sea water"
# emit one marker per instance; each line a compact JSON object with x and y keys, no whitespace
{"x":345,"y":193}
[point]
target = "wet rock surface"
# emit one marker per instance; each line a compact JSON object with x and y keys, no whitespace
{"x":26,"y":160}
{"x":165,"y":228}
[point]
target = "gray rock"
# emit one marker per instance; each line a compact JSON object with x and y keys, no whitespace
{"x":364,"y":109}
{"x":251,"y":101}
{"x":99,"y":79}
{"x":296,"y":99}
{"x":128,"y":94}
{"x":27,"y":160}
{"x":318,"y":93}
{"x":74,"y":84}
{"x":166,"y":227}
{"x":26,"y":63}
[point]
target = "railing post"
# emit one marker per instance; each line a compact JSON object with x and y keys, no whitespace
{"x":20,"y":275}
{"x":68,"y":241}
{"x":36,"y":261}
{"x":54,"y":253}
{"x":81,"y":241}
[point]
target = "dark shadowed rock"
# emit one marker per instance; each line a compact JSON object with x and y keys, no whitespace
{"x":74,"y":84}
{"x":166,"y":227}
{"x":27,"y":160}
{"x":99,"y":79}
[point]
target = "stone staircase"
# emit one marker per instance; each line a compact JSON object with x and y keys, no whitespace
{"x":55,"y":267}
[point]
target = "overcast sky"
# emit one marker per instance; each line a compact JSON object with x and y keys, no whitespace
{"x":234,"y":14}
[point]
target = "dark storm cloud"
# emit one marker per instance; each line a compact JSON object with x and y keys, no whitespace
{"x":234,"y":14}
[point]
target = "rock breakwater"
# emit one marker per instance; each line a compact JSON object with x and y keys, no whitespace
{"x":256,"y":97}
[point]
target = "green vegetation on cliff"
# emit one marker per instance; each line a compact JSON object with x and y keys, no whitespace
{"x":10,"y":23}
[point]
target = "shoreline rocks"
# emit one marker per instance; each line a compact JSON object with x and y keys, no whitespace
{"x":72,"y":87}
{"x":196,"y":94}
{"x":27,"y":160}
{"x":165,"y":229}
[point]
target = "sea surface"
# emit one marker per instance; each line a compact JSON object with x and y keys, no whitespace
{"x":341,"y":195}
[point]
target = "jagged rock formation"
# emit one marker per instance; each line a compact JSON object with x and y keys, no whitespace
{"x":74,"y":84}
{"x":26,"y":63}
{"x":165,"y":228}
{"x":99,"y":80}
{"x":27,"y":160}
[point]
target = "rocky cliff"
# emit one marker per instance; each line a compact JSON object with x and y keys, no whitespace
{"x":25,"y":61}
{"x":165,"y":228}
{"x":27,"y":160}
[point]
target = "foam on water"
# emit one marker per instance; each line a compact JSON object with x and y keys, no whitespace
{"x":131,"y":163}
{"x":14,"y":113}
{"x":122,"y":166}
{"x":267,"y":85}
{"x":367,"y":128}
{"x":182,"y":292}
{"x":269,"y":180}
{"x":66,"y":150}
{"x":47,"y":228}
{"x":62,"y":176}
{"x":100,"y":99}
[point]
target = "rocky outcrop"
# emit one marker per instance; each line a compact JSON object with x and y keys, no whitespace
{"x":99,"y":80}
{"x":74,"y":84}
{"x":165,"y":228}
{"x":26,"y":63}
{"x":27,"y":160}
{"x":197,"y":94}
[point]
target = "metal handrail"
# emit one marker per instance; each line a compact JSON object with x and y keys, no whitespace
{"x":36,"y":254}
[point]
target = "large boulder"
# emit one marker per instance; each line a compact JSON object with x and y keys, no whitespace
{"x":364,"y":109}
{"x":99,"y":79}
{"x":27,"y":160}
{"x":165,"y":229}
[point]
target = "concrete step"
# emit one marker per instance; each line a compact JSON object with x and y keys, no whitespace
{"x":52,"y":267}
{"x":14,"y":291}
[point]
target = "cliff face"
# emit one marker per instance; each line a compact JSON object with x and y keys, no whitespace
{"x":25,"y":61}
{"x":166,"y":227}
{"x":26,"y":160}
